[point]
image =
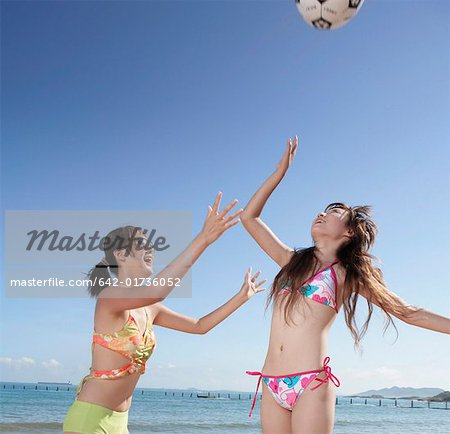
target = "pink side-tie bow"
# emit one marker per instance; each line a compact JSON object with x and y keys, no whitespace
{"x":328,"y":375}
{"x":257,"y":388}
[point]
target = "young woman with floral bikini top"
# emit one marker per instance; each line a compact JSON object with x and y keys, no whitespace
{"x":123,"y":337}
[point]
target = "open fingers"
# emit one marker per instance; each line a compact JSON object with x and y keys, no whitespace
{"x":289,"y":146}
{"x":227,"y":208}
{"x":255,"y":276}
{"x":258,"y":284}
{"x":209,"y":211}
{"x":217,"y":201}
{"x":231,"y":224}
{"x":294,"y":146}
{"x":232,"y":216}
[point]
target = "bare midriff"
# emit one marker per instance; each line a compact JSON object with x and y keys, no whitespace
{"x":302,"y":344}
{"x":114,"y":394}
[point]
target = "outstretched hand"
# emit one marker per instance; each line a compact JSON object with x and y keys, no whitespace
{"x":217,"y":223}
{"x":249,"y":287}
{"x":288,"y":156}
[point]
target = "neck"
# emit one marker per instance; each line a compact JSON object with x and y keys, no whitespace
{"x":326,"y":251}
{"x":122,"y":275}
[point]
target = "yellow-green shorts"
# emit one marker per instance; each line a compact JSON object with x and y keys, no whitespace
{"x":87,"y":418}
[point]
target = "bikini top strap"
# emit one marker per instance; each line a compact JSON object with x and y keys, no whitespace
{"x":326,"y":268}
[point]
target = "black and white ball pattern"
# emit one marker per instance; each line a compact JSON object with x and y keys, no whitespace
{"x":328,"y":14}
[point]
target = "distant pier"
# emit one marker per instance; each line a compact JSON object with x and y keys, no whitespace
{"x":197,"y":394}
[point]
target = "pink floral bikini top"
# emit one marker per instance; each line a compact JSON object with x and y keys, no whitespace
{"x":322,"y":287}
{"x":130,"y":343}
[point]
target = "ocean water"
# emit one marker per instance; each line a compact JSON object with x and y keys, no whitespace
{"x":155,"y":411}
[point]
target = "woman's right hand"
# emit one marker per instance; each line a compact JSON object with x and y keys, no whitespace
{"x":288,"y":156}
{"x":217,"y":223}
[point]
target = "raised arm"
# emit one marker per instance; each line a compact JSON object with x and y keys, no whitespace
{"x":251,"y":220}
{"x":168,"y":318}
{"x":120,"y":298}
{"x":416,"y":316}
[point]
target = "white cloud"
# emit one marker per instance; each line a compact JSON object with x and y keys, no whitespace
{"x":28,"y":362}
{"x":52,"y":363}
{"x":170,"y":366}
{"x":23,"y":362}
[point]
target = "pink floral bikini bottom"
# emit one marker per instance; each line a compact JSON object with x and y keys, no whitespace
{"x":286,"y":389}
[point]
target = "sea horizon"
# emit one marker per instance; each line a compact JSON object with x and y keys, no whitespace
{"x":224,"y":391}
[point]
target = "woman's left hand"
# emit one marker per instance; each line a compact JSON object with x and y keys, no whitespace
{"x":250,"y":287}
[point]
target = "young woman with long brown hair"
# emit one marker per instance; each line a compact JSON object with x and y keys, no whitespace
{"x":123,"y":338}
{"x":307,"y":293}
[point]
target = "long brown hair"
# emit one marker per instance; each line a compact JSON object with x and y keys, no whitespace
{"x":361,"y":273}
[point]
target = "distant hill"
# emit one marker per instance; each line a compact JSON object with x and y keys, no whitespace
{"x":403,"y":392}
{"x":444,"y":396}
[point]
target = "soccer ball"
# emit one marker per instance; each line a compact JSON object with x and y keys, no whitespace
{"x":328,"y":14}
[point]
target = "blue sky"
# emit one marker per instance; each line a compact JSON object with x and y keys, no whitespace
{"x":158,"y":105}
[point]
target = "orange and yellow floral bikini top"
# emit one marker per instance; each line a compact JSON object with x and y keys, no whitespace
{"x":128,"y":342}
